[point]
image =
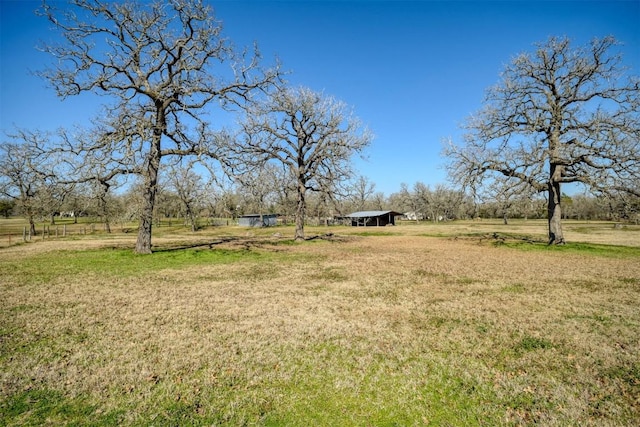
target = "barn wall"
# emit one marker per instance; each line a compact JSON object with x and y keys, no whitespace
{"x":373,"y":221}
{"x":254,"y":221}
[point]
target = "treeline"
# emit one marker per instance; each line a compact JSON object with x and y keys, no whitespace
{"x":188,"y":198}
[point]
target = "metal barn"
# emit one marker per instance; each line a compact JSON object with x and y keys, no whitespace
{"x":257,"y":220}
{"x":373,"y":218}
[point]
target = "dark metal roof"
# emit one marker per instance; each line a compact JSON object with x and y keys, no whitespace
{"x":369,"y":214}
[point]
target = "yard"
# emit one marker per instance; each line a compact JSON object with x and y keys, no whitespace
{"x":464,"y":323}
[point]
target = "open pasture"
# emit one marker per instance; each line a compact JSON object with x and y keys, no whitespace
{"x":466,"y":323}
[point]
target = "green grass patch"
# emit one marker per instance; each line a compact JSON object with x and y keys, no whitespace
{"x":531,"y":343}
{"x":515,"y":288}
{"x":591,"y":249}
{"x":330,"y":274}
{"x":592,"y":318}
{"x":348,"y":387}
{"x":49,"y":407}
{"x":43,"y":268}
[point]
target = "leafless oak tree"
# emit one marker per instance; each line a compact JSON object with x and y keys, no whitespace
{"x":361,"y":192}
{"x":313,"y":135}
{"x":98,"y":160}
{"x":188,"y":186}
{"x":560,"y":115}
{"x":26,"y":172}
{"x":156,"y":60}
{"x":259,"y":187}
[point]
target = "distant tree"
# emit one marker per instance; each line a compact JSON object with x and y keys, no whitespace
{"x":378,"y":201}
{"x":95,"y":163}
{"x":559,"y":116}
{"x":259,"y":185}
{"x":623,"y":206}
{"x":106,"y":206}
{"x":77,"y":201}
{"x":53,"y":195}
{"x":222,"y":200}
{"x":405,"y":201}
{"x":26,"y":171}
{"x":156,"y":60}
{"x":168,"y":205}
{"x":506,"y":193}
{"x":285,"y":190}
{"x":421,"y":197}
{"x":188,"y":187}
{"x":6,"y":207}
{"x":312,"y":135}
{"x":443,"y":202}
{"x":361,"y":192}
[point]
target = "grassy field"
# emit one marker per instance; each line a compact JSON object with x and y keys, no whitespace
{"x":458,"y":324}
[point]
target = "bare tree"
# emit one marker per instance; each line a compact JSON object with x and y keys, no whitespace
{"x":26,"y":171}
{"x":447,"y":203}
{"x":6,"y":206}
{"x":221,"y":199}
{"x":405,"y":201}
{"x":188,"y":186}
{"x":155,"y":59}
{"x":98,"y":161}
{"x":259,"y":186}
{"x":361,"y":192}
{"x":506,"y":192}
{"x":101,"y":196}
{"x":285,"y":190}
{"x":313,"y":135}
{"x":559,"y":116}
{"x":378,"y":200}
{"x":53,"y":195}
{"x":420,"y":200}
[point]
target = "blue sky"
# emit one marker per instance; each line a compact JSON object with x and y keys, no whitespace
{"x":411,"y":70}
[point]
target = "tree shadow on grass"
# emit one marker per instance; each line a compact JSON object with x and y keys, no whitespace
{"x":271,"y":243}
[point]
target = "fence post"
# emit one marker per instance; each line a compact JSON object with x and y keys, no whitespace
{"x":24,"y":234}
{"x":64,"y":230}
{"x":43,"y":228}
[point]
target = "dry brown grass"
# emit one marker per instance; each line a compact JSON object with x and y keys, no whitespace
{"x":362,"y":330}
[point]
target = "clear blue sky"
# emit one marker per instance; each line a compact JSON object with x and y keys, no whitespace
{"x":411,"y":70}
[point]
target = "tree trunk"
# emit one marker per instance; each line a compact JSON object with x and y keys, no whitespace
{"x":143,"y":244}
{"x":104,"y":214}
{"x":192,"y":219}
{"x":554,"y":212}
{"x":32,"y":225}
{"x":300,"y":212}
